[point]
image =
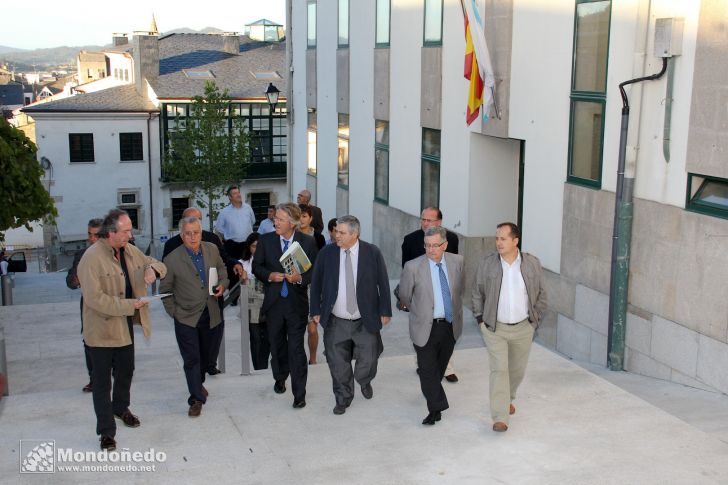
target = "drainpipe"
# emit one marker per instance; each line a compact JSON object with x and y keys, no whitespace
{"x":623,"y":215}
{"x":289,"y":98}
{"x":152,"y":246}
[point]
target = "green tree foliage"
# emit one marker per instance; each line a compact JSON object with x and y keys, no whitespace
{"x":22,"y":195}
{"x":208,"y":151}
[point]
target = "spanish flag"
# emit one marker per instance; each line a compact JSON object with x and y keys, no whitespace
{"x":472,"y":74}
{"x":478,"y":68}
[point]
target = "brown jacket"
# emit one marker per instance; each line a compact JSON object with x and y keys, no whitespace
{"x":105,"y":307}
{"x":189,"y":295}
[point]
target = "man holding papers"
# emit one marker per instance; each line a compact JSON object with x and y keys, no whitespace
{"x":285,"y":304}
{"x":191,"y":273}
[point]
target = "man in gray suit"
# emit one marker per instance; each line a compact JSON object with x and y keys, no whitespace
{"x":194,"y":310}
{"x":432,"y":287}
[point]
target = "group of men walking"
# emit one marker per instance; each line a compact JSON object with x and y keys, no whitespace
{"x":349,"y":297}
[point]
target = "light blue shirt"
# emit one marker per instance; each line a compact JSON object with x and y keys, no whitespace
{"x":439,"y":311}
{"x":266,"y":226}
{"x":235,"y":223}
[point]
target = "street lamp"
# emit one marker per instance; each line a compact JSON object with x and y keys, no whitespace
{"x":272,"y":94}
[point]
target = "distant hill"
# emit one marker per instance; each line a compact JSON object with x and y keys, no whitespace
{"x":54,"y":56}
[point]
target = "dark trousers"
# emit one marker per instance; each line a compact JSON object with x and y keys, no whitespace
{"x":108,"y":361}
{"x":234,"y":248}
{"x":344,"y":341}
{"x":194,"y":347}
{"x":216,"y":336}
{"x":286,"y":330}
{"x":432,"y":361}
{"x":89,"y":364}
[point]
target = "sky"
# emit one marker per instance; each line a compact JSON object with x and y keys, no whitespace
{"x":42,"y":23}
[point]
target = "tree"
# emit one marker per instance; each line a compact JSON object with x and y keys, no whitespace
{"x":208,"y":151}
{"x":24,"y":198}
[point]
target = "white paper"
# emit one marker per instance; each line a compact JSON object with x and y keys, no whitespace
{"x":155,"y":297}
{"x":212,"y":280}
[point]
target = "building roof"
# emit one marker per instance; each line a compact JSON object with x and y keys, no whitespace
{"x":263,"y":22}
{"x":88,"y":56}
{"x":117,"y":99}
{"x":203,"y":52}
{"x":11,"y":94}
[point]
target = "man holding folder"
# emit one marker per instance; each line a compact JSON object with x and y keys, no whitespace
{"x":193,"y":303}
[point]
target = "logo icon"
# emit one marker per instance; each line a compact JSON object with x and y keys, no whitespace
{"x":37,"y":456}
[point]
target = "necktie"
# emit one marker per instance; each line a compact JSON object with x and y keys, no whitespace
{"x":351,"y":305}
{"x":284,"y":288}
{"x":446,"y":300}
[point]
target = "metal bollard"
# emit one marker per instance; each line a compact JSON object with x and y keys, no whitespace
{"x":7,"y":289}
{"x":4,"y":362}
{"x":244,"y":304}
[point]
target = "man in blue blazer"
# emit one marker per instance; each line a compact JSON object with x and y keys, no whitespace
{"x":285,"y":303}
{"x":350,"y":298}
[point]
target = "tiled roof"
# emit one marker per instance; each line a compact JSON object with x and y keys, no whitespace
{"x":117,"y":99}
{"x":232,"y":72}
{"x":264,"y":22}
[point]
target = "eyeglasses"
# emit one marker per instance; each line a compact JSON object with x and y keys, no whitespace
{"x":429,"y":220}
{"x":192,"y":233}
{"x":434,"y":246}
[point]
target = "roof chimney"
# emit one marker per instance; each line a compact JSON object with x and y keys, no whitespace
{"x":119,"y":39}
{"x":231,"y":43}
{"x":146,"y":59}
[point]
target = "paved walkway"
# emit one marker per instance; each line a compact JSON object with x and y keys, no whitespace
{"x":572,"y":424}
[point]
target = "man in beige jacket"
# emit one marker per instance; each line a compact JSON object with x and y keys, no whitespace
{"x":114,"y":276}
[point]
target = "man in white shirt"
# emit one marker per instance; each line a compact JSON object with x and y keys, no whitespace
{"x":267,"y":225}
{"x":235,"y":223}
{"x":508,"y":302}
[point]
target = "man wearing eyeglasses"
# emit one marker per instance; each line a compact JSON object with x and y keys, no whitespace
{"x":413,"y":247}
{"x":432,"y":288}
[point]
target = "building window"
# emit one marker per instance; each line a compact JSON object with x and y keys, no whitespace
{"x":382,"y":28}
{"x":381,"y":161}
{"x":312,"y":141}
{"x":588,"y":92}
{"x":128,"y":200}
{"x":116,"y":73}
{"x":343,"y":157}
{"x":267,"y":133}
{"x":81,"y":147}
{"x":131,"y":146}
{"x":707,"y":195}
{"x":433,"y":22}
{"x":126,"y":74}
{"x":430,"y":168}
{"x":311,"y":24}
{"x":179,"y":204}
{"x":343,"y":23}
{"x":259,"y":202}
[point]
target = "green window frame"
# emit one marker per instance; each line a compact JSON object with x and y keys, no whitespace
{"x":311,"y":24}
{"x":381,"y":161}
{"x":383,"y":21}
{"x":432,"y":31}
{"x":343,"y":13}
{"x":343,"y":151}
{"x":430,"y":176}
{"x":707,"y":195}
{"x":588,"y":96}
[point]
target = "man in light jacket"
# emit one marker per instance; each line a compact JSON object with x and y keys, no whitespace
{"x":114,"y":276}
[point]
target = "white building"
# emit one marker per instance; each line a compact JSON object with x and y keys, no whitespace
{"x":105,"y":147}
{"x":378,"y":130}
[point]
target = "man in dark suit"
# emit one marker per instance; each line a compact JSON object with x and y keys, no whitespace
{"x":194,"y":310}
{"x":234,"y":268}
{"x":304,"y":197}
{"x":350,"y":298}
{"x":413,"y":247}
{"x":285,"y":303}
{"x":432,"y":287}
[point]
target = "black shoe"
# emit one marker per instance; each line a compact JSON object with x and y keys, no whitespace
{"x":107,"y":443}
{"x":298,"y":404}
{"x":367,"y":391}
{"x":280,"y":386}
{"x":214,"y":371}
{"x":128,"y":419}
{"x":340,"y":409}
{"x":87,"y":388}
{"x":451,"y":378}
{"x":432,"y":418}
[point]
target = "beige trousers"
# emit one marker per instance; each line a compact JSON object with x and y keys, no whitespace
{"x":508,"y":349}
